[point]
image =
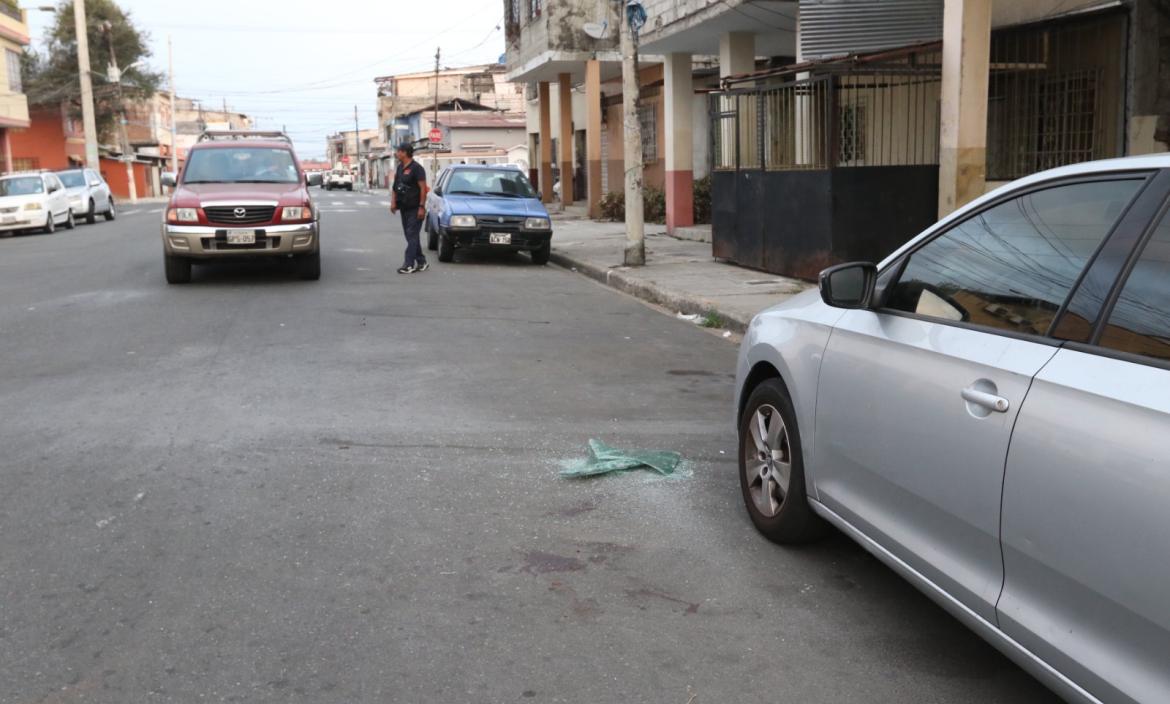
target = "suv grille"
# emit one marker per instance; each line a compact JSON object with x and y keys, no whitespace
{"x":230,"y":215}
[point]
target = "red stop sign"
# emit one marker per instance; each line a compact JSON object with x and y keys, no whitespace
{"x":345,"y":160}
{"x":436,"y":135}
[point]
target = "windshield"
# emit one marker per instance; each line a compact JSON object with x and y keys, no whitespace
{"x":241,"y":165}
{"x":505,"y":183}
{"x":23,"y":186}
{"x":72,"y":179}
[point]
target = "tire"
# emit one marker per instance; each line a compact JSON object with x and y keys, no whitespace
{"x":91,"y":214}
{"x":110,"y":214}
{"x":50,"y":226}
{"x":446,"y":249}
{"x":349,"y":188}
{"x":432,"y":239}
{"x":783,"y":516}
{"x":70,"y":223}
{"x":178,"y":269}
{"x":540,"y":256}
{"x":309,"y":266}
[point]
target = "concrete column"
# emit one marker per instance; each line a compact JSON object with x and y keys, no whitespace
{"x":546,"y":179}
{"x":680,"y":167}
{"x":737,"y":53}
{"x":565,"y":93}
{"x":593,"y":136}
{"x":963,"y":132}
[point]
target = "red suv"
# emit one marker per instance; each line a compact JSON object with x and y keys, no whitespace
{"x":240,"y":194}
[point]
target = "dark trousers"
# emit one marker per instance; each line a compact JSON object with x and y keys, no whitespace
{"x":411,"y":225}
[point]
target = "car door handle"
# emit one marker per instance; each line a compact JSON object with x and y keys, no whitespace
{"x":991,"y":402}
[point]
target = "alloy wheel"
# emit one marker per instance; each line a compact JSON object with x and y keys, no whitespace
{"x":767,"y":462}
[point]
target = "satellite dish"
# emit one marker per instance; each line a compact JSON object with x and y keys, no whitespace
{"x":597,"y":30}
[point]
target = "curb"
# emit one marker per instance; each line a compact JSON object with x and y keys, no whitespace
{"x":648,"y":291}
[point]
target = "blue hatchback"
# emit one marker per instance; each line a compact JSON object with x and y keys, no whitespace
{"x":487,"y":207}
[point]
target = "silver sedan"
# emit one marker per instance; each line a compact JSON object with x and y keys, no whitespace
{"x":986,"y":411}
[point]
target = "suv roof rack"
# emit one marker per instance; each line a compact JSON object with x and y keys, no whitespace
{"x":227,"y":135}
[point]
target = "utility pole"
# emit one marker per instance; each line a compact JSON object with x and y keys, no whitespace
{"x":635,"y":223}
{"x":116,"y":77}
{"x":357,"y":142}
{"x":174,"y":126}
{"x":435,"y":122}
{"x":89,"y":121}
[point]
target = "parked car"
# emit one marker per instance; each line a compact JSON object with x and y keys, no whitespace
{"x":487,"y":207}
{"x":986,"y":412}
{"x":240,"y":194}
{"x":33,"y":201}
{"x":339,"y":178}
{"x":88,"y":194}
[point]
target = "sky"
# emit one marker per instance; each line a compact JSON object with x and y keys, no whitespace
{"x":304,"y":64}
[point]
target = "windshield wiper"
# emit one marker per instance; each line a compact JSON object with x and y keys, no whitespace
{"x":464,"y":193}
{"x":506,"y":195}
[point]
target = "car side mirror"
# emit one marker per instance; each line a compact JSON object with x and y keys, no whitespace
{"x":849,"y":286}
{"x":169,"y":179}
{"x":438,"y":191}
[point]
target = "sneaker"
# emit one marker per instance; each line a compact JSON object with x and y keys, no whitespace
{"x":406,"y":270}
{"x":422,"y":267}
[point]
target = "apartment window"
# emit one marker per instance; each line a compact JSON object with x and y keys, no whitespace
{"x":14,"y":83}
{"x":648,"y":118}
{"x":533,"y":9}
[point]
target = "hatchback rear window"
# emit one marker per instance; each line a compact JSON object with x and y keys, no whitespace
{"x":241,"y":165}
{"x":72,"y":179}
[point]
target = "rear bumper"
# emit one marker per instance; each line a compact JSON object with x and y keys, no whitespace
{"x":209,"y":242}
{"x":522,"y":241}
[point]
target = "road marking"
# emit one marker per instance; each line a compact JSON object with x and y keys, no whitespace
{"x":337,"y":202}
{"x":156,"y":210}
{"x":385,"y":203}
{"x":338,"y":210}
{"x":130,"y":212}
{"x":363,"y":202}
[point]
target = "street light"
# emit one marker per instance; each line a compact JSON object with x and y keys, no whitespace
{"x":88,"y":119}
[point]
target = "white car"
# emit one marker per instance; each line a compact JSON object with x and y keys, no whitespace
{"x":89,"y":194}
{"x":33,"y":201}
{"x":339,"y":178}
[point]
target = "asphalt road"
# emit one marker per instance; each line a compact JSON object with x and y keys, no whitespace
{"x":257,"y":489}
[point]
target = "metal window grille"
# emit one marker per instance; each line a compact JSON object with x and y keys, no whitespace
{"x":15,"y":84}
{"x":533,"y":9}
{"x":648,"y":119}
{"x":1056,"y":95}
{"x":853,"y":133}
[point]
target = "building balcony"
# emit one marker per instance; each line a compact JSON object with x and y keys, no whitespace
{"x":12,"y":23}
{"x":546,"y":39}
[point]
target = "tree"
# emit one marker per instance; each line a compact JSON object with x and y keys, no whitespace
{"x":51,"y":78}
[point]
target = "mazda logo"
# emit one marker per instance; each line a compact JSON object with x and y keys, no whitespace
{"x":240,"y":212}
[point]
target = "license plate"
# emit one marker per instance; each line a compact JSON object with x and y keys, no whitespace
{"x":6,"y":219}
{"x":241,"y":237}
{"x":500,"y":238}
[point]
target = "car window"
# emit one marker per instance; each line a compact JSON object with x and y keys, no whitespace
{"x":73,"y":179}
{"x":1011,"y":266}
{"x":241,"y":165}
{"x":1140,"y":321}
{"x":21,"y":186}
{"x":490,"y":183}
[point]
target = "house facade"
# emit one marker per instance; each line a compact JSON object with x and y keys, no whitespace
{"x":13,"y":102}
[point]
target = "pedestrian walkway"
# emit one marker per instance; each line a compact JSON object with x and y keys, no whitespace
{"x":681,"y":275}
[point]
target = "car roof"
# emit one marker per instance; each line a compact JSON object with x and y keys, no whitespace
{"x":483,"y":167}
{"x":246,"y":144}
{"x":24,"y":174}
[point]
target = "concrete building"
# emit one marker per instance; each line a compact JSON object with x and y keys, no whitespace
{"x":821,"y":109}
{"x":13,"y":103}
{"x":484,"y":84}
{"x":192,"y":119}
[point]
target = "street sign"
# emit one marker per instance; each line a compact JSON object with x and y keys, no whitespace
{"x":436,"y":135}
{"x":345,"y":160}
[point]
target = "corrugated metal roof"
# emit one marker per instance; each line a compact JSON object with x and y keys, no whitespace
{"x":837,"y":27}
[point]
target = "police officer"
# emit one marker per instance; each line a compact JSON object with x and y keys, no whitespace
{"x":408,"y":194}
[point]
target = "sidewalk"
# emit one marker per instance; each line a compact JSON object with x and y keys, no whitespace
{"x":680,"y":275}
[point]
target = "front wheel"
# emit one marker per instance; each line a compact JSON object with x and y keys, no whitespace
{"x":50,"y":224}
{"x":309,"y":266}
{"x":111,"y":213}
{"x":446,"y":249}
{"x":771,"y":467}
{"x":91,"y":213}
{"x":178,"y":269}
{"x":540,"y":256}
{"x":432,"y":238}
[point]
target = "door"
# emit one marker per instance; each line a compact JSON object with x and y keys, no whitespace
{"x":917,"y":401}
{"x":1086,"y":532}
{"x":58,"y":201}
